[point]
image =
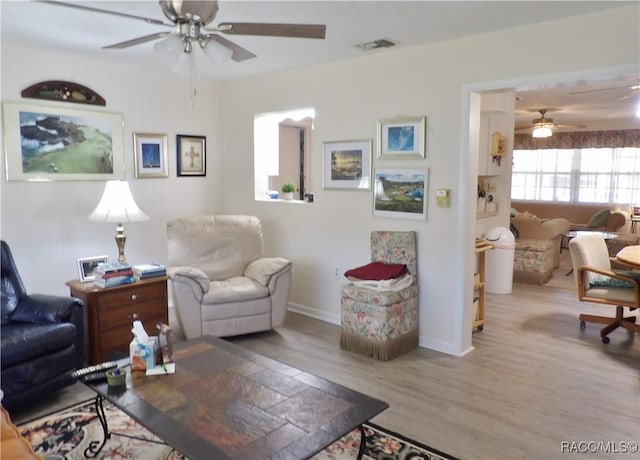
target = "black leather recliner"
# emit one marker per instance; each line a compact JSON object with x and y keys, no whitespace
{"x":41,"y":340}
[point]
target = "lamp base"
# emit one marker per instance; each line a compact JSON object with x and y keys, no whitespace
{"x":121,"y":238}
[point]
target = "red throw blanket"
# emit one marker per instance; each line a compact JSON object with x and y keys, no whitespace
{"x":377,"y":271}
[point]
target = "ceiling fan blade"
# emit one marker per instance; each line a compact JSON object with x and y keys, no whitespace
{"x":603,"y":89}
{"x":239,"y":53}
{"x":136,"y":41}
{"x":273,"y":30}
{"x":99,"y":10}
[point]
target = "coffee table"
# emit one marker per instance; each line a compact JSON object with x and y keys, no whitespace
{"x":228,"y":402}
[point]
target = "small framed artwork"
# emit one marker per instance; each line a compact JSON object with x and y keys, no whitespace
{"x":192,"y":155}
{"x":150,"y":155}
{"x":400,"y":193}
{"x":87,"y":265}
{"x":347,"y":165}
{"x":402,"y":138}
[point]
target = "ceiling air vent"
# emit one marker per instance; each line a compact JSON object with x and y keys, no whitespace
{"x":382,"y":43}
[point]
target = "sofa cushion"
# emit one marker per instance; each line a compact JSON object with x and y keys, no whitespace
{"x":377,"y":297}
{"x":23,"y":342}
{"x":220,"y":246}
{"x":600,"y":218}
{"x":235,"y":289}
{"x":605,"y":281}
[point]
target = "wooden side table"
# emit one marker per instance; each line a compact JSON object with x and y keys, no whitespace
{"x":110,"y":313}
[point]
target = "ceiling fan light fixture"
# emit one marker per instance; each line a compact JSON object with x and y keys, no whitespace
{"x":216,"y":53}
{"x":168,"y":49}
{"x":542,"y":126}
{"x":542,"y":131}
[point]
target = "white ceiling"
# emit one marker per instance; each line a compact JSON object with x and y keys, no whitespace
{"x":349,"y":23}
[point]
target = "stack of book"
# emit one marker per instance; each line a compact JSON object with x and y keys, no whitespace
{"x":109,"y":274}
{"x":149,"y":270}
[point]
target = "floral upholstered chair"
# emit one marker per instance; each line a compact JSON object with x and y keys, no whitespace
{"x":380,"y":319}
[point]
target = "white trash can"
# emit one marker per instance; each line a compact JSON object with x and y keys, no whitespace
{"x":499,"y":276}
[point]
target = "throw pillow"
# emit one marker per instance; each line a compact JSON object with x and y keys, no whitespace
{"x":605,"y":281}
{"x":600,"y":218}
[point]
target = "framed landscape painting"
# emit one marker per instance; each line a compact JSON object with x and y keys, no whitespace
{"x":347,"y":165}
{"x":47,"y":143}
{"x":150,"y":155}
{"x":400,"y":193}
{"x":402,"y":137}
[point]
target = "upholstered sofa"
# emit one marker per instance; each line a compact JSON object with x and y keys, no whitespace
{"x":529,"y":227}
{"x":41,"y":339}
{"x":12,"y":444}
{"x":221,"y":282}
{"x":580,"y":215}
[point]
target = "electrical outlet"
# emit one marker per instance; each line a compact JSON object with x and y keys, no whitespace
{"x":336,"y":271}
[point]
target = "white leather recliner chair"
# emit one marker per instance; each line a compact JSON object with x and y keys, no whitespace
{"x":221,"y":283}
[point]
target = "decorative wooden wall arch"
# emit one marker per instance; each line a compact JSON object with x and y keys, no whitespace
{"x":63,"y":91}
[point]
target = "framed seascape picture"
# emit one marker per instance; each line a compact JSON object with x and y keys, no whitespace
{"x":191,"y":155}
{"x":47,"y":143}
{"x":400,"y":193}
{"x":87,"y":265}
{"x":347,"y":165}
{"x":402,"y":137}
{"x":150,"y":152}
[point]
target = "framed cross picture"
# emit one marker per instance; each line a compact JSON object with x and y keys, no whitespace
{"x":191,"y":155}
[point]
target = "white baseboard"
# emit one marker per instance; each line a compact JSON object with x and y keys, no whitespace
{"x":423,"y":341}
{"x":315,"y":313}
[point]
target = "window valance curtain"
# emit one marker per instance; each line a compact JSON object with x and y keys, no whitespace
{"x":579,"y":140}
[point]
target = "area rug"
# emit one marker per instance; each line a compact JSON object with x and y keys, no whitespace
{"x":66,"y":434}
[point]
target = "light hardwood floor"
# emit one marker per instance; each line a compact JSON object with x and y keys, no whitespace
{"x":534,"y":380}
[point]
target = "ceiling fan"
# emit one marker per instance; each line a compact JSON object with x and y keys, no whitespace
{"x":544,"y":126}
{"x":191,"y":22}
{"x":631,"y":90}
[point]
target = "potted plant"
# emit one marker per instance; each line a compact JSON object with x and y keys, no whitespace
{"x":288,"y":188}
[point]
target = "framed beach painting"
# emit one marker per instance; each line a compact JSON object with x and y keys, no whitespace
{"x":400,"y":193}
{"x":150,"y":155}
{"x":347,"y":165}
{"x":402,"y":138}
{"x":47,"y":143}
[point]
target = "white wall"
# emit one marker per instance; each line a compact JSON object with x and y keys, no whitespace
{"x":47,"y":222}
{"x":349,"y":98}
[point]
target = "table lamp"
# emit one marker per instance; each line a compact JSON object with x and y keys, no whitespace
{"x":118,"y":206}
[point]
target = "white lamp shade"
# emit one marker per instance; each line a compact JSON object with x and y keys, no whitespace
{"x":117,"y":205}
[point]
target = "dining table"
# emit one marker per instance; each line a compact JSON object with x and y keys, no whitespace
{"x":630,"y":256}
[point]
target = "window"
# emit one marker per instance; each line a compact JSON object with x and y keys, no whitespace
{"x":281,"y":149}
{"x":592,"y":175}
